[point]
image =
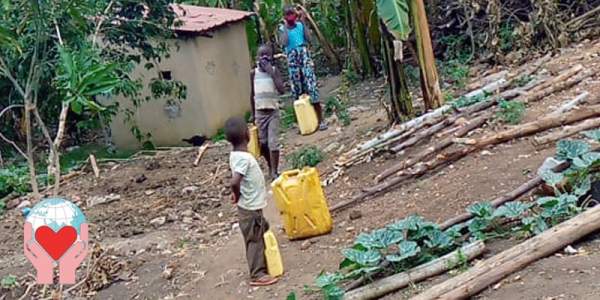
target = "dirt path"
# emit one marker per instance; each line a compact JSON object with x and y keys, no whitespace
{"x":175,"y":236}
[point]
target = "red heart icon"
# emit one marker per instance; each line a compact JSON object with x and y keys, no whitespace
{"x":56,"y":243}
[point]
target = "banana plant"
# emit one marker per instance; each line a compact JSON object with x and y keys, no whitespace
{"x":396,"y":15}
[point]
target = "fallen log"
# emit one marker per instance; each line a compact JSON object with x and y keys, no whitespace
{"x":513,"y":259}
{"x":566,"y":132}
{"x":569,"y":105}
{"x":559,"y":86}
{"x":398,"y":281}
{"x":462,"y":131}
{"x":560,"y":78}
{"x":541,"y":124}
{"x":419,"y":121}
{"x":421,"y":136}
{"x":524,"y":130}
{"x":512,"y":196}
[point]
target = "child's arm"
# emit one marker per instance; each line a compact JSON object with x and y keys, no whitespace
{"x":235,"y":186}
{"x":253,"y":110}
{"x":240,"y":168}
{"x":307,"y":36}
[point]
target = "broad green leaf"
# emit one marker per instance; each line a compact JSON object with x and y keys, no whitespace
{"x":291,"y":296}
{"x":76,"y":107}
{"x":395,"y":15}
{"x":477,"y":225}
{"x":481,"y":209}
{"x":570,"y":149}
{"x":362,"y":258}
{"x":326,"y":279}
{"x":380,"y":238}
{"x":586,"y":160}
{"x":511,"y":210}
{"x":584,"y":186}
{"x":410,"y":223}
{"x":551,"y":178}
{"x":567,"y":199}
{"x":593,"y":134}
{"x":406,"y":249}
{"x":8,"y":38}
{"x":437,"y":239}
{"x":333,"y":292}
{"x":547,"y":202}
{"x":455,"y":231}
{"x":9,"y":281}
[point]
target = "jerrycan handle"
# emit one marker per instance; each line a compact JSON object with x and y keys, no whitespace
{"x":270,"y":238}
{"x":291,"y":173}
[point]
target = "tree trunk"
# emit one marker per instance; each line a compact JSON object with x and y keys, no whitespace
{"x":435,"y":267}
{"x":373,"y":29}
{"x":479,"y":277}
{"x":32,"y":175}
{"x":426,"y":57}
{"x":566,"y":132}
{"x":401,"y":103}
{"x":363,"y":45}
{"x":541,"y":124}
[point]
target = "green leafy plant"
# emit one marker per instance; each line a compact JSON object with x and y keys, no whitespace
{"x":464,"y":101}
{"x":307,"y":156}
{"x":414,"y":241}
{"x":9,"y":282}
{"x":14,"y":179}
{"x":510,"y":111}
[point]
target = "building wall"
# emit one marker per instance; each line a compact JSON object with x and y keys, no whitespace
{"x":216,"y":72}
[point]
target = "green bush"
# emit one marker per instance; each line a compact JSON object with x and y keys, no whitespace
{"x":307,"y":156}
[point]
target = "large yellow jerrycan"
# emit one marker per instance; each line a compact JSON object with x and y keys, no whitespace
{"x":253,"y":145}
{"x":302,"y":204}
{"x":306,"y":115}
{"x":274,"y":262}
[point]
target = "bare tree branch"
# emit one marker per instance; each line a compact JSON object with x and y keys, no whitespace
{"x":5,"y":138}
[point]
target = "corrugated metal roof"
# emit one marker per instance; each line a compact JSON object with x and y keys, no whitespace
{"x":200,"y":18}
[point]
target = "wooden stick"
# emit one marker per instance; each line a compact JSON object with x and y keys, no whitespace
{"x":94,"y":165}
{"x":513,"y":259}
{"x":513,"y":195}
{"x":201,"y":151}
{"x":431,"y":150}
{"x":435,"y":267}
{"x":569,"y":105}
{"x":541,"y":124}
{"x":420,"y":121}
{"x":427,"y":133}
{"x":560,"y":78}
{"x":524,"y":130}
{"x":567,"y":131}
{"x":559,"y":86}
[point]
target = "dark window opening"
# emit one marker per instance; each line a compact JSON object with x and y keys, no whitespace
{"x":166,"y":75}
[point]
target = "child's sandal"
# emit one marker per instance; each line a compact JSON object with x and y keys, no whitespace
{"x":264,"y":281}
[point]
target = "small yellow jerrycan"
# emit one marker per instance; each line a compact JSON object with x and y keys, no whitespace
{"x":302,"y":203}
{"x":272,"y":255}
{"x":306,"y":115}
{"x":253,"y":145}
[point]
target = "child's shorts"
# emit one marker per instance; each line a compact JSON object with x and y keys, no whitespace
{"x":267,"y":121}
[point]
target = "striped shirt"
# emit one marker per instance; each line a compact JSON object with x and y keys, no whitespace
{"x":265,"y":91}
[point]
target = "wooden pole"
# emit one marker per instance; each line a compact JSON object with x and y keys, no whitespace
{"x":435,"y":267}
{"x":513,"y":259}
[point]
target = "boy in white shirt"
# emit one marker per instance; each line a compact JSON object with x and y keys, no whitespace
{"x":250,"y":195}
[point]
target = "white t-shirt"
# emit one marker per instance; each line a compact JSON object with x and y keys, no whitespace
{"x":253,"y":193}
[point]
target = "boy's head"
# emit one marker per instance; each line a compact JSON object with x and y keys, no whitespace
{"x":265,"y":51}
{"x":236,"y":131}
{"x":289,"y":13}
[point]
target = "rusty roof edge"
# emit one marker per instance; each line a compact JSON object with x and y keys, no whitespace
{"x":215,"y":26}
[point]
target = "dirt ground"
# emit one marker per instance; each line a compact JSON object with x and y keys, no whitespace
{"x":171,"y":233}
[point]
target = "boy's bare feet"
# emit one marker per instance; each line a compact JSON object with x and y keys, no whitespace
{"x":264,"y":281}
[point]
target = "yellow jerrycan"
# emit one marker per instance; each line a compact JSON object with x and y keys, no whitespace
{"x":272,"y":255}
{"x":253,"y":145}
{"x":302,"y":204}
{"x":306,"y":115}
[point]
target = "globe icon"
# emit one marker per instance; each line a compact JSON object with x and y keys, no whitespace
{"x":55,"y":213}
